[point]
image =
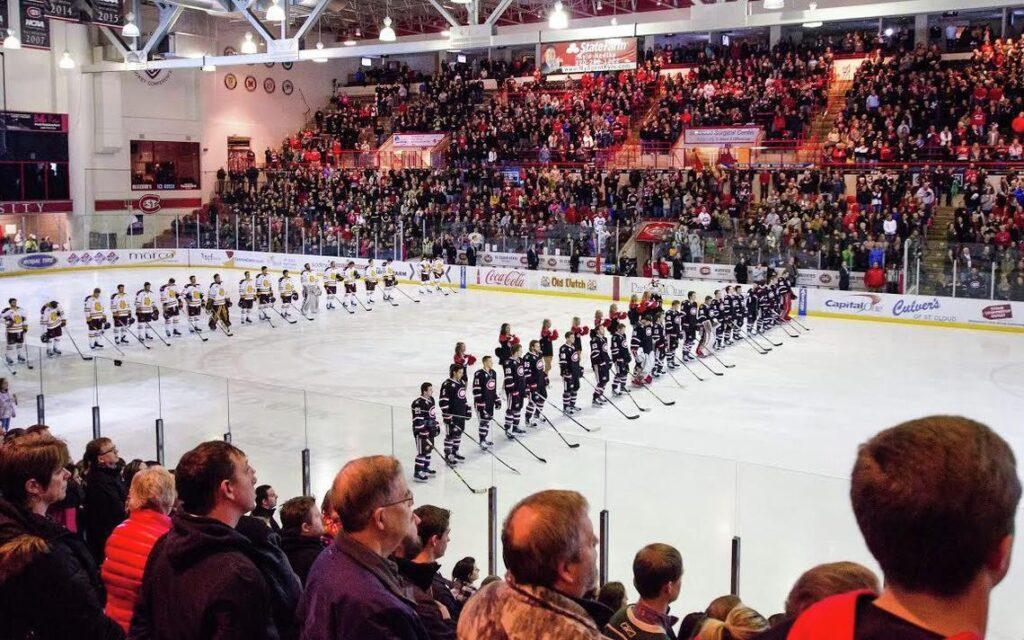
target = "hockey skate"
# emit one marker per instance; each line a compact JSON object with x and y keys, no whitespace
{"x":420,"y":476}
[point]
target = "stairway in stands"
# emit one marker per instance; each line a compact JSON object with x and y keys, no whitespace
{"x":933,"y":258}
{"x":825,"y":120}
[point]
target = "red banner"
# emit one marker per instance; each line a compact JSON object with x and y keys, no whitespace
{"x":656,"y":231}
{"x":582,"y":56}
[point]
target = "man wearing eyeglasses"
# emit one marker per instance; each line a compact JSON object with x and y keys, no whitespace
{"x":353,"y":589}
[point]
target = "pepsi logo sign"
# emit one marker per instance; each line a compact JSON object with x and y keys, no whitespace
{"x":150,"y":203}
{"x":37,"y":261}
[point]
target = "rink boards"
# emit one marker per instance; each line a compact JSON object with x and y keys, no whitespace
{"x":990,"y":315}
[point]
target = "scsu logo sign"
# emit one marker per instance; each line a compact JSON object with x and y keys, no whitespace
{"x":150,"y":203}
{"x":37,"y":261}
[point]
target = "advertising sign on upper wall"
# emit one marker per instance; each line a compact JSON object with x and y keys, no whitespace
{"x":583,"y":56}
{"x":722,"y":136}
{"x":416,"y":139}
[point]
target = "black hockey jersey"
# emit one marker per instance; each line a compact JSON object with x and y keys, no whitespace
{"x":569,"y":362}
{"x":485,"y":387}
{"x":453,"y":399}
{"x":424,"y":419}
{"x":515,"y":376}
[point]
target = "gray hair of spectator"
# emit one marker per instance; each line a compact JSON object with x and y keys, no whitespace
{"x":152,"y":488}
{"x":361,"y":487}
{"x":553,"y":537}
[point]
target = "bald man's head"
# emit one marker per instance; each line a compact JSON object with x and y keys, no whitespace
{"x":363,"y":485}
{"x":543,"y":533}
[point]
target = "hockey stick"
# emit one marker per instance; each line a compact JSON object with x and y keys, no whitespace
{"x":609,"y":400}
{"x":479,"y":444}
{"x":705,"y":365}
{"x":75,"y":345}
{"x":283,"y":317}
{"x":266,"y":316}
{"x":107,"y":338}
{"x":518,"y":441}
{"x":136,"y":336}
{"x":639,"y":408}
{"x":562,"y":411}
{"x":292,"y":307}
{"x":682,"y":361}
{"x":571,"y":445}
{"x":196,"y":330}
{"x":454,"y":470}
{"x":786,"y":329}
{"x":9,"y":367}
{"x":727,"y":366}
{"x":401,"y":291}
{"x":223,"y":325}
{"x":676,"y":380}
{"x":365,"y":308}
{"x":764,"y":335}
{"x":799,"y":324}
{"x":753,"y":345}
{"x":150,"y":327}
{"x":667,"y":403}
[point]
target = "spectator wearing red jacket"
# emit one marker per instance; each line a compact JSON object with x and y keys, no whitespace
{"x":874,"y":278}
{"x":150,"y":499}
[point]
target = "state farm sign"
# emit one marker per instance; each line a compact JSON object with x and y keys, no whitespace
{"x":508,"y":278}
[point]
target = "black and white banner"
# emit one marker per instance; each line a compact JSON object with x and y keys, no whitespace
{"x":35,"y":26}
{"x":108,"y":12}
{"x":67,"y":10}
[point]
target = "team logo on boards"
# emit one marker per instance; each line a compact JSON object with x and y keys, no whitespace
{"x":150,"y":203}
{"x":997,"y":312}
{"x":37,"y":261}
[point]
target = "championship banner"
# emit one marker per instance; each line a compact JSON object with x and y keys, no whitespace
{"x":583,"y":56}
{"x":406,"y":140}
{"x":656,"y":231}
{"x":35,"y":27}
{"x":67,"y":10}
{"x":722,"y":136}
{"x":108,"y":12}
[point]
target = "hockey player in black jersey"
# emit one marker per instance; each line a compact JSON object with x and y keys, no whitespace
{"x":660,"y":342}
{"x":454,"y":411}
{"x":424,"y":429}
{"x":713,"y":310}
{"x":515,"y":389}
{"x":750,"y":303}
{"x":621,"y":358}
{"x":571,"y":371}
{"x":673,"y":329}
{"x":601,"y":361}
{"x":536,"y":383}
{"x":725,"y":316}
{"x":485,"y":397}
{"x":736,"y":304}
{"x":691,"y":325}
{"x":641,"y":345}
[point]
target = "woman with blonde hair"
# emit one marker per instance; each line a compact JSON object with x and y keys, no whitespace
{"x":742,"y":623}
{"x":150,"y":499}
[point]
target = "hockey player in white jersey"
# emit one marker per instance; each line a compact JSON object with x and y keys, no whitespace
{"x":218,"y":303}
{"x":264,"y":292}
{"x":95,"y":318}
{"x":310,"y":292}
{"x":349,"y":299}
{"x":371,"y":276}
{"x":438,"y":269}
{"x":52,"y":320}
{"x":171,"y":306}
{"x":426,"y":271}
{"x":331,"y":276}
{"x":145,"y":311}
{"x":390,"y":282}
{"x":193,"y":294}
{"x":286,"y":289}
{"x":17,"y":325}
{"x":121,"y":311}
{"x":246,"y":297}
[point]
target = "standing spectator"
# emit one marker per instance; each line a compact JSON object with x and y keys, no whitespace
{"x":8,"y":402}
{"x":549,"y":548}
{"x":741,"y":270}
{"x":574,"y":260}
{"x":417,"y":562}
{"x":49,"y":586}
{"x":252,"y":174}
{"x":150,"y":498}
{"x":874,"y":278}
{"x":266,"y":504}
{"x":464,"y":574}
{"x":892,"y":278}
{"x":302,"y":530}
{"x":919,"y":491}
{"x":201,"y":580}
{"x":353,"y":590}
{"x":532,"y":259}
{"x":677,"y":266}
{"x":105,"y":495}
{"x":844,"y":276}
{"x":470,"y":255}
{"x":658,"y":578}
{"x":815,"y":585}
{"x":612,"y":595}
{"x":741,"y":623}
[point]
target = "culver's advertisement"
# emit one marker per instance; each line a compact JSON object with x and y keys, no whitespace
{"x":940,"y":310}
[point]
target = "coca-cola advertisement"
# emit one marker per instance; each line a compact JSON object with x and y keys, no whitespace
{"x":505,"y":278}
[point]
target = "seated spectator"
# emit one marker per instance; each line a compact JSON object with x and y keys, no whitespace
{"x":49,"y":586}
{"x":302,"y":534}
{"x":203,"y":578}
{"x":817,"y":584}
{"x":658,"y":578}
{"x":105,"y":494}
{"x":150,"y":499}
{"x":353,"y":590}
{"x":549,"y":549}
{"x":742,"y":623}
{"x":935,"y":499}
{"x":464,"y":574}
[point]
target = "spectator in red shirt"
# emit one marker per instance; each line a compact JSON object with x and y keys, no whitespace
{"x":874,"y":278}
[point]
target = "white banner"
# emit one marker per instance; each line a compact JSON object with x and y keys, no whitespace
{"x":721,"y":136}
{"x":549,"y":262}
{"x":408,"y":140}
{"x":105,"y":258}
{"x":923,"y":309}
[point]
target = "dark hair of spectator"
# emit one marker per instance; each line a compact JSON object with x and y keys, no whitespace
{"x":200,"y":473}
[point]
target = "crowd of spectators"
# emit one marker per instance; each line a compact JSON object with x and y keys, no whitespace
{"x":196,"y":552}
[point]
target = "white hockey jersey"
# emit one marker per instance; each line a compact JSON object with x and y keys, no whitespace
{"x":51,"y":317}
{"x":14,"y":319}
{"x":120,"y":305}
{"x":218,"y":293}
{"x":169,"y":296}
{"x":246,"y":289}
{"x":145,"y":301}
{"x":286,"y":287}
{"x":94,"y":308}
{"x":263,"y":284}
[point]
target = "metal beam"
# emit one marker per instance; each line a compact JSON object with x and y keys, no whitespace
{"x":115,"y":40}
{"x":498,"y":11}
{"x":311,"y":18}
{"x":444,"y":13}
{"x":250,"y":17}
{"x":169,"y":14}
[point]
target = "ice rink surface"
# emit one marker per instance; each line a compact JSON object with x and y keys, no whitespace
{"x":763,"y":452}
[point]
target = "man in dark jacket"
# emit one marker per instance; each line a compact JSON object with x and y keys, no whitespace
{"x":302,"y":530}
{"x":49,"y":586}
{"x":266,"y":505}
{"x":844,"y":277}
{"x":532,"y":259}
{"x":353,"y":590}
{"x":470,"y":255}
{"x":438,"y":608}
{"x":105,"y":495}
{"x":741,"y":270}
{"x":203,"y":579}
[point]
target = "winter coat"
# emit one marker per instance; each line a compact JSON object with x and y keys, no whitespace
{"x":49,"y":586}
{"x":128,"y":548}
{"x":201,"y":582}
{"x":103,"y":507}
{"x":353,"y":593}
{"x":285,"y":586}
{"x":507,"y":611}
{"x":267,"y":516}
{"x":437,"y":618}
{"x":302,"y":551}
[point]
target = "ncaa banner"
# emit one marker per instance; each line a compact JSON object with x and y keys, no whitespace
{"x":583,"y":56}
{"x":35,"y":26}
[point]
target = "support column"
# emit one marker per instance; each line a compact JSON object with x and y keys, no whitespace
{"x":774,"y":34}
{"x":921,"y":29}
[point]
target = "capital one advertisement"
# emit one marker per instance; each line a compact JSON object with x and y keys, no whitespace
{"x":583,"y":56}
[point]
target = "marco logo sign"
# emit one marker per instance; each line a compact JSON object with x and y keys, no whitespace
{"x":855,"y":302}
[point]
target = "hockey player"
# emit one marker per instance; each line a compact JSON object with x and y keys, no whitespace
{"x":171,"y":306}
{"x":750,"y":302}
{"x":454,"y":411}
{"x":641,"y":346}
{"x":121,"y":312}
{"x":461,"y":358}
{"x":310,"y":292}
{"x":349,"y":299}
{"x":705,"y":320}
{"x":424,"y":430}
{"x":515,"y":389}
{"x":193,"y":304}
{"x":714,"y":315}
{"x":485,"y":398}
{"x":660,"y":341}
{"x":264,"y":292}
{"x":673,"y":329}
{"x":371,"y":275}
{"x":735,"y":301}
{"x":95,"y":318}
{"x":571,"y":371}
{"x":621,"y":358}
{"x":506,"y":340}
{"x":390,"y":282}
{"x":547,"y":336}
{"x":218,"y":304}
{"x":146,"y":311}
{"x":17,"y":325}
{"x":437,"y":267}
{"x":536,"y":383}
{"x":331,"y":284}
{"x":246,"y":297}
{"x":690,"y":310}
{"x":764,"y":308}
{"x":425,"y":273}
{"x":601,"y":361}
{"x":635,"y":310}
{"x":52,"y":320}
{"x":286,"y":289}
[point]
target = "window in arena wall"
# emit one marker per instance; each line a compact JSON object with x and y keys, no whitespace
{"x":164,"y":166}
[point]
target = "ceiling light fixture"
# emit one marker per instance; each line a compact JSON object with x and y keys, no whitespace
{"x":319,"y":55}
{"x":66,"y":63}
{"x":774,"y":5}
{"x":12,"y":41}
{"x":248,"y":46}
{"x":130,"y":29}
{"x":274,"y":12}
{"x":387,"y":33}
{"x":812,"y":24}
{"x":558,"y":18}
